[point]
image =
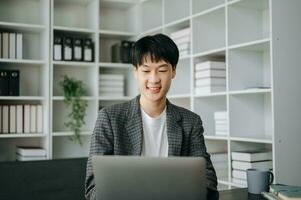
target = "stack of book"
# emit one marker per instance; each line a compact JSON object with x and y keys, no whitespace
{"x":30,"y":153}
{"x":283,"y":192}
{"x":210,"y":77}
{"x":243,"y":160}
{"x":221,"y":123}
{"x":220,"y":164}
{"x":111,"y":85}
{"x":182,"y":40}
{"x":21,"y":119}
{"x":11,"y":45}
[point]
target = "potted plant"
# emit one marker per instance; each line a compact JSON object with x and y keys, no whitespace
{"x":73,"y":91}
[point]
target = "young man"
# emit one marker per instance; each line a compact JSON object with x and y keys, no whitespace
{"x":149,"y":125}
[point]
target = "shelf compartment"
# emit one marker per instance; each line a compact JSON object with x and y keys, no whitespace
{"x":118,"y":16}
{"x":147,"y":19}
{"x":130,"y":85}
{"x":212,"y":29}
{"x":8,"y":145}
{"x":181,"y":83}
{"x":105,"y":46}
{"x":60,"y":116}
{"x":204,"y":5}
{"x":85,"y":74}
{"x":205,"y":107}
{"x":63,"y":147}
{"x":251,"y":116}
{"x":77,"y":14}
{"x":250,"y":66}
{"x":248,"y":20}
{"x":171,"y":15}
{"x":27,"y":12}
{"x":32,"y":79}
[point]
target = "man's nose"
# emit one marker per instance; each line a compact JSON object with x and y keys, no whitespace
{"x":154,"y":77}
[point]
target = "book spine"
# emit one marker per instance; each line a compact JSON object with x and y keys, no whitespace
{"x":12,"y":119}
{"x":5,"y":45}
{"x":33,"y":118}
{"x":26,"y":118}
{"x":5,"y":119}
{"x":12,"y":46}
{"x":19,"y":46}
{"x":4,"y":81}
{"x":14,"y":83}
{"x":19,"y":116}
{"x":39,"y":118}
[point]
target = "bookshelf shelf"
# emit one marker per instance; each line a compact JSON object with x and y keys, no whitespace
{"x":72,"y":64}
{"x":201,"y":8}
{"x":61,"y":98}
{"x":23,"y":61}
{"x":115,"y":65}
{"x":73,"y":29}
{"x":22,"y":27}
{"x":63,"y":133}
{"x":216,"y":137}
{"x":211,"y":95}
{"x":23,"y":135}
{"x":250,"y":91}
{"x":23,"y":98}
{"x":252,"y":140}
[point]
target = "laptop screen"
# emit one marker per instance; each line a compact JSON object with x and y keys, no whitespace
{"x":148,"y":178}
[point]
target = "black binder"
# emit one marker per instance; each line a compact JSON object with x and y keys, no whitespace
{"x":57,"y":48}
{"x":4,"y":83}
{"x":68,"y":48}
{"x":88,"y":50}
{"x":78,"y":49}
{"x":125,"y":51}
{"x":14,"y":83}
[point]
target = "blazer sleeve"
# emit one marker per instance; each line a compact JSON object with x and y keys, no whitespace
{"x":198,"y":148}
{"x":102,"y":143}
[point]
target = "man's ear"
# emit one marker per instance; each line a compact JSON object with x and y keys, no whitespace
{"x":174,"y":72}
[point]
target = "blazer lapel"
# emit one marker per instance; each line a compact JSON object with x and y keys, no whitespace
{"x":174,"y":130}
{"x":134,"y":127}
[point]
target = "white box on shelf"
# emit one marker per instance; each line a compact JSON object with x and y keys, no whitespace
{"x":26,"y":119}
{"x":210,"y":65}
{"x":30,"y":151}
{"x":180,"y":33}
{"x":242,"y":165}
{"x":5,"y":45}
{"x":39,"y":118}
{"x":30,"y":158}
{"x":210,"y":73}
{"x":251,"y":156}
{"x":220,"y":115}
{"x":111,"y":77}
{"x":241,"y":174}
{"x":33,"y":118}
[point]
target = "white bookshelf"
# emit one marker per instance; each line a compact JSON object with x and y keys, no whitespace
{"x":31,"y":19}
{"x":257,"y":39}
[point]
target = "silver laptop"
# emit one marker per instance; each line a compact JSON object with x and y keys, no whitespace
{"x":146,"y":178}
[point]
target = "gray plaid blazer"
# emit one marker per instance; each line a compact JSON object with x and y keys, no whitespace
{"x":118,"y":131}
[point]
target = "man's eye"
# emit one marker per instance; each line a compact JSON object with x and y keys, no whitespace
{"x":163,"y":71}
{"x":145,"y":71}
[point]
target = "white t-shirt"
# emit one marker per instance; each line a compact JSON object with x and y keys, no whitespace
{"x":155,"y":140}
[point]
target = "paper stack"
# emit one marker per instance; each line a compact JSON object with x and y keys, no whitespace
{"x":210,"y":77}
{"x":111,"y":85}
{"x":243,"y":160}
{"x":220,"y":164}
{"x":182,"y":40}
{"x":221,"y":123}
{"x":30,"y":153}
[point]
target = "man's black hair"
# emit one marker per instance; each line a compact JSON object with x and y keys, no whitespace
{"x":158,"y":47}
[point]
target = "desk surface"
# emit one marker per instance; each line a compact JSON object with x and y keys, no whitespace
{"x":239,"y":194}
